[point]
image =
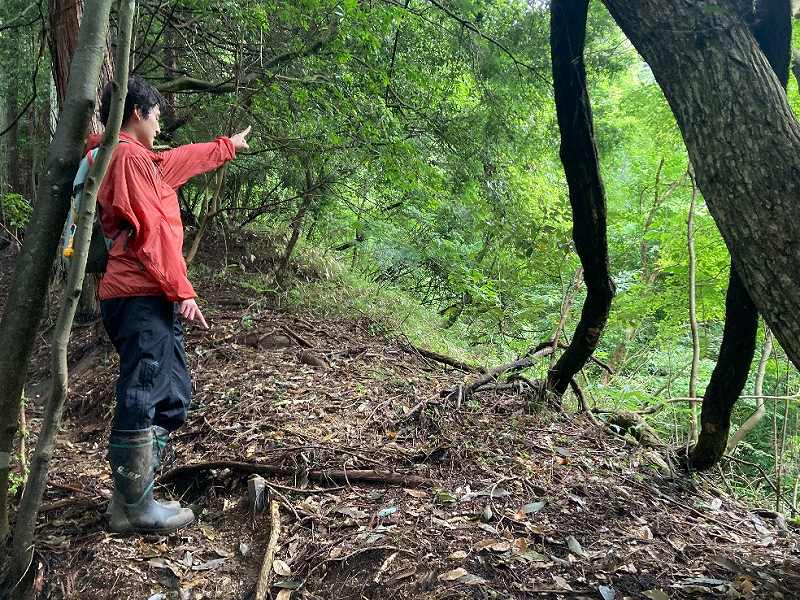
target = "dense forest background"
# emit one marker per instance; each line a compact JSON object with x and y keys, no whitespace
{"x":404,"y":164}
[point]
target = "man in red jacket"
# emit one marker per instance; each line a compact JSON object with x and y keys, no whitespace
{"x":143,"y":292}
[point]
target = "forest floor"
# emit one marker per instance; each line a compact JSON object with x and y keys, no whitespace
{"x":490,"y":498}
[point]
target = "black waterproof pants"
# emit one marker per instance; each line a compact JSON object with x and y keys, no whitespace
{"x":154,"y":386}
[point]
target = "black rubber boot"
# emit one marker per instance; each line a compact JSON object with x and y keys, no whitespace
{"x":132,"y":458}
{"x":115,"y":513}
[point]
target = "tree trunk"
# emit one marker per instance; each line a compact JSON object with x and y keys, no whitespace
{"x":23,"y":309}
{"x":586,"y":194}
{"x":742,"y":139}
{"x":772,"y":30}
{"x":729,"y":376}
{"x":297,"y":223}
{"x":65,"y":17}
{"x":34,"y":488}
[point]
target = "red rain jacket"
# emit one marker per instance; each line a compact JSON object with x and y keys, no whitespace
{"x":140,"y":212}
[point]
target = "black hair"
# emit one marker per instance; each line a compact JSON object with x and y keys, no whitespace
{"x":140,"y":93}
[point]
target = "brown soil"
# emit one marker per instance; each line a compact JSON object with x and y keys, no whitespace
{"x":527,"y":503}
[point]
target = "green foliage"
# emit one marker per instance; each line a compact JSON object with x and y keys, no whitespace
{"x":418,"y":161}
{"x":15,"y":211}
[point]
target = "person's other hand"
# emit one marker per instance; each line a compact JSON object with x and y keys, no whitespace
{"x":239,"y":141}
{"x":190,"y":311}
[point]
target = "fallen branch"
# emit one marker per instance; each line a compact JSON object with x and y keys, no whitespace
{"x":528,"y":360}
{"x":297,"y":337}
{"x":263,"y":585}
{"x":349,"y":476}
{"x":441,"y":358}
{"x":86,"y":503}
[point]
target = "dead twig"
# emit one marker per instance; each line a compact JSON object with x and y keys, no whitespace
{"x":263,"y":585}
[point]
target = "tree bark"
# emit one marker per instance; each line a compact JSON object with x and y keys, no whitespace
{"x":35,"y":485}
{"x":65,"y":17}
{"x":23,"y":309}
{"x":742,"y":139}
{"x":586,"y":194}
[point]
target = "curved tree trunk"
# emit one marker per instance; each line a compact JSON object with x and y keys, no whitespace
{"x":23,"y":309}
{"x":586,"y":194}
{"x":771,"y":26}
{"x":729,"y":376}
{"x":742,"y":138}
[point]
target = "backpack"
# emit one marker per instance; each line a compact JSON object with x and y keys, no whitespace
{"x":99,"y":245}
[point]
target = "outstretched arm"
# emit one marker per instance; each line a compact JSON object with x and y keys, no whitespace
{"x":179,"y":165}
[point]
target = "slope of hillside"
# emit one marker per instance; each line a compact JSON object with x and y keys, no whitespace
{"x":386,"y":487}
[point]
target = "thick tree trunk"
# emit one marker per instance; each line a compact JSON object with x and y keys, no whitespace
{"x":742,"y":138}
{"x":770,"y":24}
{"x":23,"y":309}
{"x":586,"y":194}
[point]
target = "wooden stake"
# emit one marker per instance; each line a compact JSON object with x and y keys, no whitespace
{"x":263,"y":585}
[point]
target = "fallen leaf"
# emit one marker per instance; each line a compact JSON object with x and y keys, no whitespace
{"x":284,"y":595}
{"x":383,"y":513}
{"x":483,"y":544}
{"x":208,"y":565}
{"x":281,"y":568}
{"x":288,"y":584}
{"x":352,"y":512}
{"x":453,"y":575}
{"x":499,"y":492}
{"x":533,"y":507}
{"x":561,"y":582}
{"x":461,"y":575}
{"x":656,"y":595}
{"x":416,"y":493}
{"x":458,"y":555}
{"x":445,"y":497}
{"x":575,"y":546}
{"x":607,"y":592}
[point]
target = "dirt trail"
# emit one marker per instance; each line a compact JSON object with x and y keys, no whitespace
{"x":521,"y":504}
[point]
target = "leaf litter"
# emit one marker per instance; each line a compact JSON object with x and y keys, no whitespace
{"x":573,"y":511}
